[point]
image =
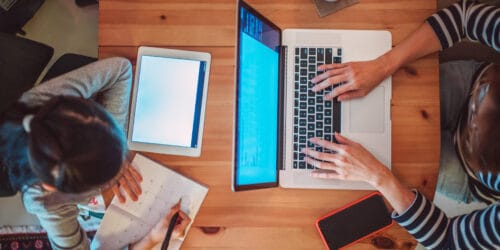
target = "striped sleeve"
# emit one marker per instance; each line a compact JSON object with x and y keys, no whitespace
{"x":490,"y":180}
{"x":485,"y":186}
{"x":478,"y":22}
{"x":433,"y":229}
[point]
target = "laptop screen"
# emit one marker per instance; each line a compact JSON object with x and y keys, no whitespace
{"x":168,"y":105}
{"x":256,"y":153}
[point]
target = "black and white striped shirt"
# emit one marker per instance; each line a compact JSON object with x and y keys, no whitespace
{"x":477,"y":22}
{"x":427,"y":223}
{"x":433,"y":229}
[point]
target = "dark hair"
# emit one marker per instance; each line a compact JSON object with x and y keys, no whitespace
{"x":74,"y":144}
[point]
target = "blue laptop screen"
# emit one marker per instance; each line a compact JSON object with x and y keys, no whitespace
{"x":257,"y":100}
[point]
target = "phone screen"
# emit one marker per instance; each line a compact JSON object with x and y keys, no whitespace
{"x":345,"y":226}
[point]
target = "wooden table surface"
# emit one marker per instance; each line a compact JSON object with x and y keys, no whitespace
{"x":279,"y":218}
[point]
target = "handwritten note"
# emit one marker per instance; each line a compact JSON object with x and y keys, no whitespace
{"x":161,"y":189}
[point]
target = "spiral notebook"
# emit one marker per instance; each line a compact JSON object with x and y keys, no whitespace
{"x":162,"y":187}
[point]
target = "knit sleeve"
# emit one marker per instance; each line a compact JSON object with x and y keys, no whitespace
{"x":109,"y":79}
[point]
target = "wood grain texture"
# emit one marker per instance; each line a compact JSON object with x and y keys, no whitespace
{"x":173,"y":22}
{"x":279,"y":218}
{"x":212,"y":22}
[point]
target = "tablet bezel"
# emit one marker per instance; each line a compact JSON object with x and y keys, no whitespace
{"x":162,"y":148}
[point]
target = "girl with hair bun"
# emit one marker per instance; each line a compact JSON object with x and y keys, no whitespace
{"x":64,"y":141}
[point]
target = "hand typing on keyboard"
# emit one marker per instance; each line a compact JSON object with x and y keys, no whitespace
{"x":359,"y":78}
{"x":314,"y":116}
{"x":351,"y":161}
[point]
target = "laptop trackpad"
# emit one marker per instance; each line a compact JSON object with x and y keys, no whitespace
{"x":367,"y":114}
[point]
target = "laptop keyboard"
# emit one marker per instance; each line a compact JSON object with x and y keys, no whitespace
{"x":313,"y":116}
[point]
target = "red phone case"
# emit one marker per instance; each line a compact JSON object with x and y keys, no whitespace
{"x":343,"y":208}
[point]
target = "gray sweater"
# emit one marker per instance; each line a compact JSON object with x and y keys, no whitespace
{"x":109,"y":81}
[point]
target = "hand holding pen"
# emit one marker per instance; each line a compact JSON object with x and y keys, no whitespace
{"x":177,"y":226}
{"x":160,"y":230}
{"x":171,"y":225}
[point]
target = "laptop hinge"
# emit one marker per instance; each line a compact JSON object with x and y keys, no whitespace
{"x":283,"y":61}
{"x":281,"y":107}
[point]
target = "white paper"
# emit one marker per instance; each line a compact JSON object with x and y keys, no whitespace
{"x":161,"y":189}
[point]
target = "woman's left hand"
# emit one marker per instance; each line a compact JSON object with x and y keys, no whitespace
{"x":129,"y":182}
{"x":359,"y":78}
{"x":350,"y":162}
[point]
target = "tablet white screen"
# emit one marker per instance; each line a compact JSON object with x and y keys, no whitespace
{"x":168,"y":101}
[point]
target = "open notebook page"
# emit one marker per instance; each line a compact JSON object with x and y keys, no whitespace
{"x":161,"y":189}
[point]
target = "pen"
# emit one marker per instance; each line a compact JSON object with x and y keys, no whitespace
{"x":170,"y":230}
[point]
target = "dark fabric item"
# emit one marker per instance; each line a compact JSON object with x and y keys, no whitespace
{"x":13,"y":20}
{"x":83,"y":3}
{"x":5,"y":188}
{"x":7,"y":4}
{"x":29,"y":241}
{"x":21,"y":63}
{"x":67,"y":63}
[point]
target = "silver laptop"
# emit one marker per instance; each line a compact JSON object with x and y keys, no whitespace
{"x":276,"y":112}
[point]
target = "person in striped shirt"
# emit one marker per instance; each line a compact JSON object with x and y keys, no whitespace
{"x":470,"y":112}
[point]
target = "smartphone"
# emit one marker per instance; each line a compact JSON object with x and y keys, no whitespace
{"x":353,"y":222}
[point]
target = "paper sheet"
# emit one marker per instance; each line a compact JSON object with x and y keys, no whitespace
{"x":161,"y":189}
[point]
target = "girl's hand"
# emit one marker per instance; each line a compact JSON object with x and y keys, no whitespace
{"x":157,"y":234}
{"x":129,"y":182}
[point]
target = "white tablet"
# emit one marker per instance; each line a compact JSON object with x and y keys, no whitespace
{"x":168,"y":101}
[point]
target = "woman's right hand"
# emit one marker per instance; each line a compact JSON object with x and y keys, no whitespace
{"x":157,"y":234}
{"x":360,"y":78}
{"x":353,"y":162}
